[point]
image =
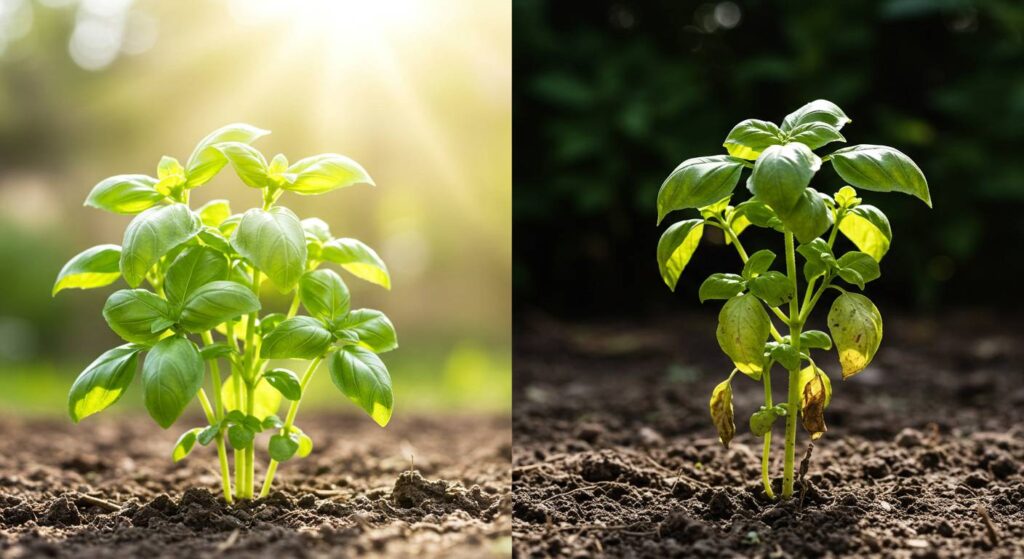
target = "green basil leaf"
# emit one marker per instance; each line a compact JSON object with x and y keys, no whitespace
{"x":186,"y":441}
{"x":858,"y":268}
{"x":103,"y":382}
{"x":125,"y":194}
{"x":749,"y":138}
{"x":816,"y":111}
{"x":266,"y":400}
{"x":216,"y":350}
{"x":868,"y":228}
{"x":819,"y":258}
{"x":207,"y":435}
{"x":94,"y":267}
{"x":676,"y":247}
{"x":363,"y":378}
{"x":357,"y":259}
{"x":228,"y":226}
{"x":698,"y":182}
{"x":856,"y":327}
{"x":240,"y":436}
{"x":317,"y":228}
{"x":743,"y":328}
{"x":194,"y":267}
{"x":781,"y":176}
{"x":274,"y":242}
{"x":213,"y":238}
{"x":171,"y":376}
{"x":815,"y":134}
{"x":762,"y":420}
{"x":785,"y":354}
{"x":756,"y":213}
{"x":758,"y":263}
{"x":815,"y":339}
{"x":272,"y":422}
{"x":772,"y":287}
{"x":722,"y":413}
{"x":324,"y":295}
{"x":248,"y":162}
{"x":721,"y":286}
{"x":206,"y":160}
{"x":215,"y":303}
{"x":846,"y":197}
{"x":300,"y":337}
{"x":305,"y":443}
{"x":132,"y":312}
{"x":370,"y":327}
{"x":323,"y":173}
{"x":286,"y":382}
{"x":282,"y":448}
{"x":151,"y":235}
{"x":214,"y":212}
{"x":270,"y":321}
{"x":881,"y":169}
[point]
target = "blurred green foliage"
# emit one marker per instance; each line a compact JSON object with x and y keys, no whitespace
{"x":611,"y":95}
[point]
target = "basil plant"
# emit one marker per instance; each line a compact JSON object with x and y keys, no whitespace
{"x":195,"y":276}
{"x":762,"y":321}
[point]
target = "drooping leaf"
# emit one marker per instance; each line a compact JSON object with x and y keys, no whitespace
{"x":815,"y":134}
{"x":721,"y":412}
{"x":215,"y":303}
{"x":357,"y":259}
{"x":815,"y":339}
{"x":762,"y":420}
{"x":152,"y":234}
{"x":698,"y":182}
{"x":363,"y":378}
{"x":881,"y":169}
{"x":93,"y":267}
{"x":125,"y":194}
{"x":371,"y":327}
{"x":758,"y":263}
{"x":323,"y":173}
{"x":856,"y":327}
{"x":774,"y":288}
{"x":300,"y":337}
{"x":743,"y":328}
{"x":324,"y":295}
{"x":721,"y":286}
{"x":171,"y":376}
{"x":131,"y":314}
{"x":813,"y":402}
{"x":868,"y":228}
{"x":274,"y":242}
{"x":206,"y":160}
{"x":676,"y":247}
{"x":248,"y":163}
{"x":185,"y":443}
{"x":858,"y":268}
{"x":103,"y":382}
{"x":286,"y":382}
{"x":807,"y":374}
{"x":816,"y":111}
{"x":194,"y":267}
{"x":750,"y":137}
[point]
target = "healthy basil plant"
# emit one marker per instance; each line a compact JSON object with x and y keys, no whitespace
{"x":782,"y":163}
{"x":193,"y":302}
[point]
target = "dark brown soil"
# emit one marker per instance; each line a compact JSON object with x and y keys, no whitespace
{"x":426,"y":487}
{"x":615,"y":454}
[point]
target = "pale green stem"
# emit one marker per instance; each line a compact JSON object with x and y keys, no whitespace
{"x":794,"y":374}
{"x":289,"y":420}
{"x":766,"y":451}
{"x":294,"y":308}
{"x":743,"y":256}
{"x":222,"y":452}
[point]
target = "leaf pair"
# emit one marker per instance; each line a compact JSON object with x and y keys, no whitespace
{"x":772,"y":287}
{"x":313,"y":175}
{"x":352,"y":255}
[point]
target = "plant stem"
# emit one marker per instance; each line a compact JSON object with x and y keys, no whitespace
{"x":294,"y":308}
{"x":289,"y":420}
{"x":766,"y":477}
{"x":794,"y":374}
{"x":222,"y":452}
{"x":743,"y":256}
{"x":250,"y":452}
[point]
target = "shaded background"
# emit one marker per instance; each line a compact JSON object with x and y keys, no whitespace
{"x":611,"y":95}
{"x":94,"y":88}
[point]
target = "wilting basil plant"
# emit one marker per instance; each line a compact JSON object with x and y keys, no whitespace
{"x":195,"y":276}
{"x":782,"y":163}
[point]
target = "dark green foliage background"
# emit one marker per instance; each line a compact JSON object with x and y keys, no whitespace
{"x":610,"y":96}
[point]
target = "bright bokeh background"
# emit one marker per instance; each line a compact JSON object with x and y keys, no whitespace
{"x":419,"y":92}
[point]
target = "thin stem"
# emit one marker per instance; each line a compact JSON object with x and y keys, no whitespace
{"x":222,"y":452}
{"x":766,"y":477}
{"x":250,"y":452}
{"x":294,"y":308}
{"x":743,"y":256}
{"x":794,"y":374}
{"x":289,"y":420}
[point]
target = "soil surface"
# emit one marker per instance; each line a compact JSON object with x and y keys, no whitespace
{"x":425,"y":487}
{"x":615,"y":454}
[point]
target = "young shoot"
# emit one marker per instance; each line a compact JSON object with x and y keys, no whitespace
{"x":762,"y":321}
{"x":193,"y":303}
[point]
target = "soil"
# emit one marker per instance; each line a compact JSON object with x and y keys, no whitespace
{"x":425,"y":486}
{"x":615,"y":454}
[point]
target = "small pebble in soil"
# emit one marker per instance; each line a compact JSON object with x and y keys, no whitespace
{"x":62,"y":512}
{"x":977,"y":480}
{"x":908,"y":438}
